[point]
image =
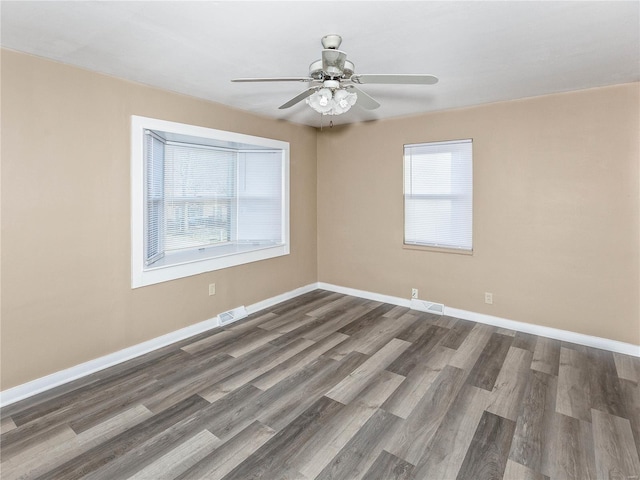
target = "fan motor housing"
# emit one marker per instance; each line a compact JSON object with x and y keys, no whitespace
{"x":316,"y":72}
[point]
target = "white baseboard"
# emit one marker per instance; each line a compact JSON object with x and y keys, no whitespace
{"x":378,"y":297}
{"x":48,"y":382}
{"x":39,"y":385}
{"x":42,"y":384}
{"x":555,"y":333}
{"x":270,"y":302}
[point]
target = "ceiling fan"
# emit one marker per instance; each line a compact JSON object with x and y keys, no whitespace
{"x":333,"y":89}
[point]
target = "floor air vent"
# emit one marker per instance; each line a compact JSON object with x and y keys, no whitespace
{"x":232,"y":315}
{"x":425,"y":306}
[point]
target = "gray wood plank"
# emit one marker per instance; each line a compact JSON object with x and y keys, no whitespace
{"x":30,"y":461}
{"x":367,"y":319}
{"x":631,"y":396}
{"x":418,"y":382}
{"x":287,"y":399}
{"x":417,"y":351}
{"x":231,"y":414}
{"x":336,"y":306}
{"x":515,"y":471}
{"x":270,"y":460}
{"x":415,"y":329}
{"x":182,"y":457}
{"x":526,"y":341}
{"x":546,"y":356}
{"x":298,"y":361}
{"x":306,"y":302}
{"x":252,"y":370}
{"x":571,"y":451}
{"x":627,"y":367}
{"x":466,"y":355}
{"x":389,"y":467}
{"x":604,"y":388}
{"x":227,"y":456}
{"x":178,"y":387}
{"x":446,"y":450}
{"x":574,"y":394}
{"x":489,"y":449}
{"x":313,"y":456}
{"x":106,"y":452}
{"x":506,"y":397}
{"x":614,"y":449}
{"x":6,"y":425}
{"x":457,"y":334}
{"x":396,"y":312}
{"x":382,"y":333}
{"x":357,"y":456}
{"x":331,"y":322}
{"x":486,"y":370}
{"x":348,"y":389}
{"x":413,"y":435}
{"x":532,"y":439}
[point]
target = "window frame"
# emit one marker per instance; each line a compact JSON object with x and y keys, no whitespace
{"x":201,"y":261}
{"x":432,"y":246}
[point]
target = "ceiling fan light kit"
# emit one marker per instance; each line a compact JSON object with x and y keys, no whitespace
{"x":333,"y":90}
{"x":329,"y":101}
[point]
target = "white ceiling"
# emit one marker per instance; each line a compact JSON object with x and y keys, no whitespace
{"x":482,"y":51}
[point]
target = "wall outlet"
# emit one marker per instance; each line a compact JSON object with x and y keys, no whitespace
{"x":488,"y":298}
{"x":414,"y":293}
{"x":212,"y":289}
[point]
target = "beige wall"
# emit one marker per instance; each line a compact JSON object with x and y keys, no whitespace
{"x":556,"y":211}
{"x":556,"y":215}
{"x":66,"y":290}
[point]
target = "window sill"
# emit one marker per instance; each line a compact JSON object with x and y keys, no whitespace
{"x":162,"y":273}
{"x":427,"y":248}
{"x":209,"y":253}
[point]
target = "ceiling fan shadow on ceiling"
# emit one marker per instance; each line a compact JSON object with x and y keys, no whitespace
{"x":334,"y":83}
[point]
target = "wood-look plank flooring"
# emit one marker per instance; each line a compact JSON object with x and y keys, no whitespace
{"x":328,"y":386}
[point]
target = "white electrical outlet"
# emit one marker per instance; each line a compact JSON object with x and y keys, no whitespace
{"x":488,"y":298}
{"x":212,"y":289}
{"x":414,"y":293}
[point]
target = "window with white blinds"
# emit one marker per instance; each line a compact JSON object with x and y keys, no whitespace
{"x":204,"y":199}
{"x":438,"y":195}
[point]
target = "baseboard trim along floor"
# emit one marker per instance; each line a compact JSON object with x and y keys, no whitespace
{"x":555,"y":333}
{"x":48,"y":382}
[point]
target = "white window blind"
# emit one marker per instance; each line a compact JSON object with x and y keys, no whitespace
{"x":199,"y":185}
{"x":260,"y":198}
{"x":154,"y":185}
{"x":438,"y":194}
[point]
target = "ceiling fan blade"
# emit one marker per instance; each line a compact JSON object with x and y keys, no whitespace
{"x":397,"y":79}
{"x":274,"y":79}
{"x":297,"y":98}
{"x":364,"y":100}
{"x":333,"y":62}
